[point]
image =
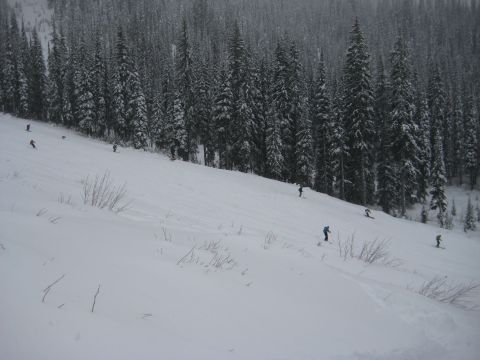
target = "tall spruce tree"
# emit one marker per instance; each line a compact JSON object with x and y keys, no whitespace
{"x":423,"y":142}
{"x":37,"y":80}
{"x":438,"y":180}
{"x":185,"y":81}
{"x":323,"y":133}
{"x":222,"y":116}
{"x":404,"y":142}
{"x":470,"y":141}
{"x":358,"y":117}
{"x":120,"y":95}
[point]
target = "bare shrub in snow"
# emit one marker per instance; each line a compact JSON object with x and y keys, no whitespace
{"x":345,"y":248}
{"x":211,"y":246}
{"x":166,"y":235}
{"x":41,"y":212}
{"x":440,"y":289}
{"x":62,"y":199}
{"x":101,"y":192}
{"x":222,"y":261}
{"x":371,"y":252}
{"x":374,"y":251}
{"x":269,"y":239}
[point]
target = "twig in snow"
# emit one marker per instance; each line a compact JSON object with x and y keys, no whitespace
{"x":49,"y":287}
{"x":182,"y":259}
{"x":95,"y":297}
{"x":41,"y":212}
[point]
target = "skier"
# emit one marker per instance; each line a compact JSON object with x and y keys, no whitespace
{"x":326,"y":230}
{"x":114,"y":147}
{"x":300,"y":191}
{"x":172,"y":152}
{"x":438,"y":238}
{"x":64,"y":137}
{"x":28,"y":127}
{"x":367,"y":212}
{"x":33,"y":144}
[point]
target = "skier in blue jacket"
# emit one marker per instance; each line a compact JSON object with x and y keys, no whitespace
{"x":326,"y":230}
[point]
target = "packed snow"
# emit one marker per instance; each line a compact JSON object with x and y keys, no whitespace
{"x":209,"y":264}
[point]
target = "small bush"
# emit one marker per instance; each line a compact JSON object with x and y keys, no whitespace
{"x":459,"y":295}
{"x":102,"y":193}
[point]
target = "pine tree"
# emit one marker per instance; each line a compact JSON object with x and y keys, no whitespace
{"x":180,"y":137}
{"x":404,"y":142}
{"x":55,"y":87}
{"x":387,"y":181}
{"x":241,"y":124}
{"x":438,"y":181}
{"x":358,"y":117}
{"x":83,"y":85}
{"x":304,"y":149}
{"x":470,"y":142}
{"x":136,"y":109}
{"x":454,"y":209}
{"x":340,"y":150}
{"x":281,"y":103}
{"x":98,"y":80}
{"x":120,"y":95}
{"x":436,"y":104}
{"x":185,"y":81}
{"x":22,"y":69}
{"x":323,"y":133}
{"x":10,"y":74}
{"x":275,"y":161}
{"x":37,"y":80}
{"x":222,"y":115}
{"x":469,"y":222}
{"x":423,"y":142}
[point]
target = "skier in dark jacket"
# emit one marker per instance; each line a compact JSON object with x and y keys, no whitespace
{"x":114,"y":147}
{"x":28,"y":127}
{"x":326,"y":230}
{"x":439,"y":239}
{"x":300,"y":191}
{"x":33,"y":144}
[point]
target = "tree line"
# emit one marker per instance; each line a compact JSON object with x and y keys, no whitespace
{"x":384,"y":131}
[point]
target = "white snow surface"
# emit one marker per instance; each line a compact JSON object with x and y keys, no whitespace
{"x":280,"y":297}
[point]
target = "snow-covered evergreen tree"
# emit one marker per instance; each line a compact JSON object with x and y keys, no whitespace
{"x":323,"y":133}
{"x":120,"y":95}
{"x":37,"y":78}
{"x":358,"y":117}
{"x":83,"y":90}
{"x":470,"y":141}
{"x":222,"y":116}
{"x":438,"y":181}
{"x":275,"y":161}
{"x":136,"y":109}
{"x":469,"y":223}
{"x":423,"y":142}
{"x":180,"y":137}
{"x":404,"y":142}
{"x":304,"y":149}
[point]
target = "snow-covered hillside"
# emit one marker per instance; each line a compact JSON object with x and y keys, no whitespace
{"x":208,"y":264}
{"x":35,"y":14}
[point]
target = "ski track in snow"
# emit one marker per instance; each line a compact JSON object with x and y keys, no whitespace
{"x":165,"y":291}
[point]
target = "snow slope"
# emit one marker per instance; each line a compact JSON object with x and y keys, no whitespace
{"x":208,"y":264}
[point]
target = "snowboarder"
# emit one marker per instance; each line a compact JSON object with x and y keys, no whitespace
{"x":300,"y":191}
{"x":114,"y":147}
{"x":367,"y":212}
{"x":28,"y":127}
{"x":439,"y":239}
{"x":326,"y":230}
{"x":33,"y":144}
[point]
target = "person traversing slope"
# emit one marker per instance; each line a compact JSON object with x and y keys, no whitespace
{"x":439,"y":239}
{"x":300,"y":191}
{"x":326,"y":231}
{"x":32,"y":142}
{"x":114,"y":147}
{"x":28,"y":127}
{"x":368,"y":212}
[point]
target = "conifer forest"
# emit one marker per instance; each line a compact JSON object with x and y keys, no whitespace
{"x":372,"y":101}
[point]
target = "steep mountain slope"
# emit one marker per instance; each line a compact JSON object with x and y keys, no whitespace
{"x":208,"y":264}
